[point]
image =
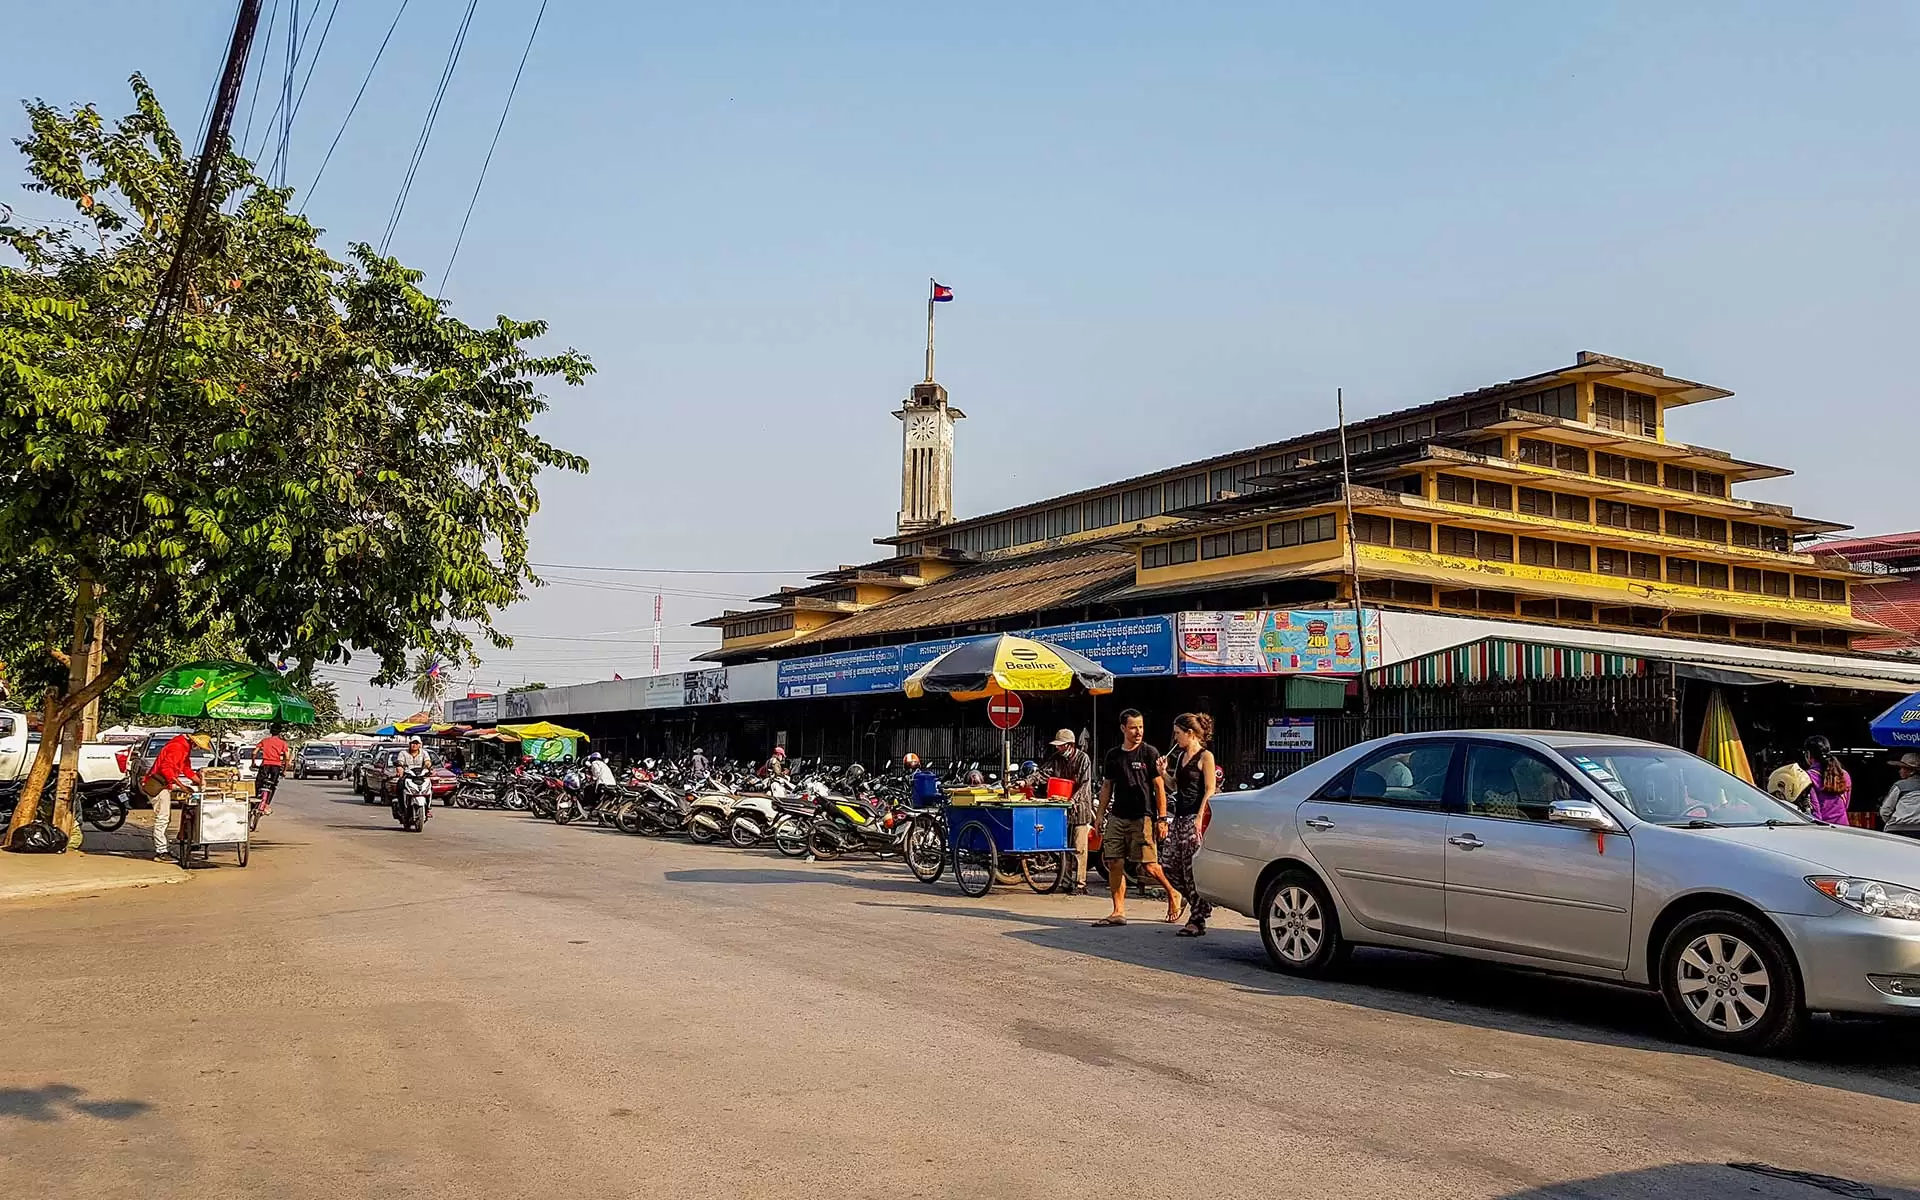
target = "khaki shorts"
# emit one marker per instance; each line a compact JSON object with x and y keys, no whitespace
{"x":1131,"y":840}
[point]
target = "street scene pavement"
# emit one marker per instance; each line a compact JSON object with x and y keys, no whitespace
{"x":504,"y":1007}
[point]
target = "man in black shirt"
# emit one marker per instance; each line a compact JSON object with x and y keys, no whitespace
{"x":1133,"y":816}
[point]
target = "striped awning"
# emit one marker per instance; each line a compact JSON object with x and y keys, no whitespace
{"x":1498,"y":659}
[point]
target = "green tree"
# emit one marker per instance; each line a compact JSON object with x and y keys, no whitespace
{"x":324,"y":461}
{"x":429,"y":685}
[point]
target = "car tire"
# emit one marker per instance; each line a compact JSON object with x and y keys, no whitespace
{"x":1731,"y":983}
{"x":1299,"y":926}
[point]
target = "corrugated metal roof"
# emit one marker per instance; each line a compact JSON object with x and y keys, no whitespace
{"x":1894,"y":603}
{"x":989,"y":592}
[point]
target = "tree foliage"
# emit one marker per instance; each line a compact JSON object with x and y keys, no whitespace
{"x":323,"y":461}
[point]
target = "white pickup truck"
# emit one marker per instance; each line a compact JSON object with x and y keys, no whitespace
{"x":103,"y":767}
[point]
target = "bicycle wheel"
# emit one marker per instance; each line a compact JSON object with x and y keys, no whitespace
{"x":1043,"y":872}
{"x":926,"y":849}
{"x":975,"y":861}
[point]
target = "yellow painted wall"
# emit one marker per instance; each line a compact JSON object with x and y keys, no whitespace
{"x":1289,"y":557}
{"x":1544,"y":580}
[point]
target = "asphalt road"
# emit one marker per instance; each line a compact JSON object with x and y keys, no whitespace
{"x":503,"y":1007}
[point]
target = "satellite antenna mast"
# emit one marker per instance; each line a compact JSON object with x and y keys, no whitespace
{"x":656,"y":633}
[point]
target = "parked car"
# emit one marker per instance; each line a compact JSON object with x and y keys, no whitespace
{"x":1577,"y":853}
{"x":102,"y":769}
{"x":319,"y":760}
{"x":369,"y":777}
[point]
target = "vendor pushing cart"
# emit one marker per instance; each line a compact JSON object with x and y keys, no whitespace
{"x":1000,"y":835}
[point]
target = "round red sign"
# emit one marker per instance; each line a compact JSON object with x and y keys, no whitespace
{"x":1005,"y":710}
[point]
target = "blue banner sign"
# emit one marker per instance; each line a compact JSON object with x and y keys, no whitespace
{"x":1132,"y":647}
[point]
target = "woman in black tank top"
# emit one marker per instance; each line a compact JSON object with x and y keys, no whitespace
{"x":1192,"y":767}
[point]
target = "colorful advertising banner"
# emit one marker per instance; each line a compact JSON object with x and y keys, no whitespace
{"x":1133,"y":647}
{"x":1285,"y":641}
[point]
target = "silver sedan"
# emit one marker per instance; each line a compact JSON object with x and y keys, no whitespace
{"x":1599,"y":856}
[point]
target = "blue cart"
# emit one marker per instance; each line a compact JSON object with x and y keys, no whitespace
{"x":1007,"y":841}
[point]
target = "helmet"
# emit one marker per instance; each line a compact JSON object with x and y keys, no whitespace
{"x":910,"y":760}
{"x":779,"y":751}
{"x":698,"y":750}
{"x":1029,"y":766}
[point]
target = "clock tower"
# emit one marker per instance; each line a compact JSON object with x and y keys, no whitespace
{"x":926,"y":458}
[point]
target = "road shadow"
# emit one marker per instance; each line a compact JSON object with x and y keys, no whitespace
{"x":837,"y":877}
{"x":51,"y":1102}
{"x":1869,"y":1057}
{"x":1712,"y":1180}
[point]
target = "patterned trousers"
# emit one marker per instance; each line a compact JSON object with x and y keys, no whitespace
{"x":1176,"y":857}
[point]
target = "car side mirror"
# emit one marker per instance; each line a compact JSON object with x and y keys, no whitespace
{"x":1582,"y":814}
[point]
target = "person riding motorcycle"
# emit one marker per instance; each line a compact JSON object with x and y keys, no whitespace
{"x":273,"y":763}
{"x":415,"y":755}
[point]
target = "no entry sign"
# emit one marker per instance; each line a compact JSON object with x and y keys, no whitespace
{"x":1005,"y":710}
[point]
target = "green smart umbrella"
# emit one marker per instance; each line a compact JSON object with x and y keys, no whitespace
{"x":225,"y":691}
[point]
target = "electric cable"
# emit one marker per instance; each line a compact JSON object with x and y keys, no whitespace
{"x":354,"y":107}
{"x":488,"y":160}
{"x":426,"y":128}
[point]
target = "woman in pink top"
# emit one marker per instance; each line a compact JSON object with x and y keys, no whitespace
{"x":1832,"y":789}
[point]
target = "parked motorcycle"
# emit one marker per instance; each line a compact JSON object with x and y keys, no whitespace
{"x":847,"y":823}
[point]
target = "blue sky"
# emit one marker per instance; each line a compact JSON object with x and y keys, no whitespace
{"x":1173,"y":230}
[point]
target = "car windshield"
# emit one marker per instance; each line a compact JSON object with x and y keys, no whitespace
{"x":1672,"y":787}
{"x":323,"y":751}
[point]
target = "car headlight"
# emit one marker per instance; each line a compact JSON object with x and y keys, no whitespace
{"x":1870,"y":896}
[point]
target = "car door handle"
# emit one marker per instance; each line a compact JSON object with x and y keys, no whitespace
{"x":1320,"y":823}
{"x":1465,"y":841}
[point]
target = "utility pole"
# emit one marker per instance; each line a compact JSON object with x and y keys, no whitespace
{"x":1353,"y":564}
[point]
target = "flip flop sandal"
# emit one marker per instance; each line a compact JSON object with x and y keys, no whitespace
{"x":1108,"y":922}
{"x":1191,"y":931}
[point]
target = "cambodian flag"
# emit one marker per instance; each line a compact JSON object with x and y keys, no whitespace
{"x":433,"y":669}
{"x":941,"y":292}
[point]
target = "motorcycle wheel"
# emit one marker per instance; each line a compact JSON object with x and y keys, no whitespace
{"x":790,"y":836}
{"x":821,"y":845}
{"x":703,"y":828}
{"x":112,"y":815}
{"x":564,"y":812}
{"x":626,"y":818}
{"x":745,"y":832}
{"x":926,"y":850}
{"x":1043,"y":872}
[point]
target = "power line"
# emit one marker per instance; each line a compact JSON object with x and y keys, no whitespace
{"x":352,"y":108}
{"x":266,"y":47}
{"x":667,"y":570}
{"x":426,"y":128}
{"x":488,"y":160}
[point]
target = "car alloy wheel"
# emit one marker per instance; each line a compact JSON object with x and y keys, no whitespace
{"x":1298,"y":924}
{"x":1723,"y":983}
{"x":1730,"y":981}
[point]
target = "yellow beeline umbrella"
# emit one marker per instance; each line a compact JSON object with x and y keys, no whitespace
{"x":1720,"y":742}
{"x":541,"y":730}
{"x":994,"y":666}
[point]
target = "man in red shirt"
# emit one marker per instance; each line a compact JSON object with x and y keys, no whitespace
{"x":172,"y":770}
{"x":273,"y":763}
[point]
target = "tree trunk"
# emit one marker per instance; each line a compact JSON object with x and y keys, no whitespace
{"x":79,"y":664}
{"x":29,"y":807}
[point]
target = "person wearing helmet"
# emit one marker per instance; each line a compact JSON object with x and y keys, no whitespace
{"x":910,"y":761}
{"x":602,"y":774}
{"x":776,"y":764}
{"x":1832,"y":790}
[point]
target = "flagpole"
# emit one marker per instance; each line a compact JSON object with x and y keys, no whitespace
{"x":930,"y":286}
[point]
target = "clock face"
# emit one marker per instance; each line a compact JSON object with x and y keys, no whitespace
{"x":920,"y":427}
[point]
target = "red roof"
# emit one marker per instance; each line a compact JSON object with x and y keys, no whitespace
{"x":1884,"y":547}
{"x":1895,"y":604}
